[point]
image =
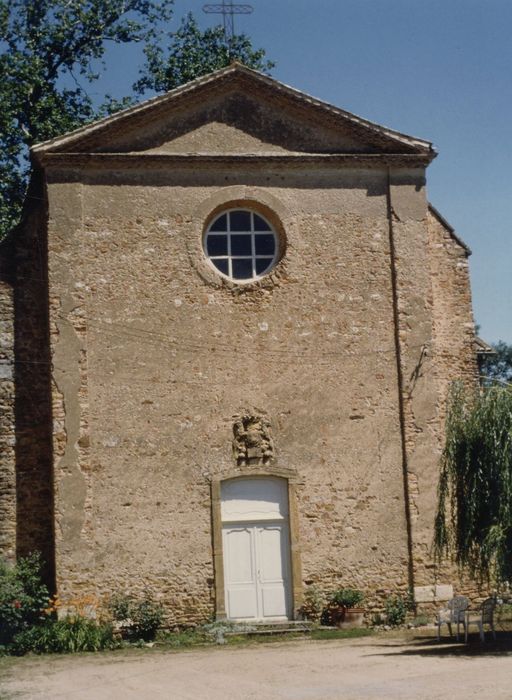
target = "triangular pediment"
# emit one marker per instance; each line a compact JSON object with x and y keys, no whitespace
{"x":235,"y":111}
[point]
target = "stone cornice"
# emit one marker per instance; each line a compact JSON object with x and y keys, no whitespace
{"x":186,"y":160}
{"x":92,"y":137}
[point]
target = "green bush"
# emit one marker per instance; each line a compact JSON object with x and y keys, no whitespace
{"x":69,"y":635}
{"x":396,"y":609}
{"x":147,"y":617}
{"x":22,"y":597}
{"x":140,"y":618}
{"x":119,"y":607}
{"x":347,"y":597}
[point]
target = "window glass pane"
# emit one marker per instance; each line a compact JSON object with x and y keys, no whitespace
{"x":265,"y":244}
{"x":262,"y":264}
{"x":221,"y":265}
{"x":242,"y":268}
{"x":241,"y":244}
{"x":260,"y":225}
{"x":240,"y":220}
{"x":220,"y":224}
{"x":217,"y":245}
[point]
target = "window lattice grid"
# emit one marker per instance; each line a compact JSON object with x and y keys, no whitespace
{"x":241,"y":245}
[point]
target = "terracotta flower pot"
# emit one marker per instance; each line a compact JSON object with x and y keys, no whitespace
{"x":346,"y":618}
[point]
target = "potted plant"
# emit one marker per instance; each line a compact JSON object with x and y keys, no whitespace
{"x":343,"y":608}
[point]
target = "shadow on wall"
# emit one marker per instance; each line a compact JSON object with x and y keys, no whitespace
{"x":33,"y":416}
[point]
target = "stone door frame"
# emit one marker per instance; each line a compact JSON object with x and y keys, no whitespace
{"x":292,"y":480}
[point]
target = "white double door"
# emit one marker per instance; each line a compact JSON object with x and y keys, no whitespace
{"x":257,"y":570}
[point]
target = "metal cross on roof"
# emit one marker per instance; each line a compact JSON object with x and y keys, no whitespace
{"x":228,"y":10}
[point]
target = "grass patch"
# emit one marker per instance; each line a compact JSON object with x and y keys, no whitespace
{"x":201,"y":637}
{"x":245,"y":639}
{"x":184,"y":639}
{"x":341,"y":634}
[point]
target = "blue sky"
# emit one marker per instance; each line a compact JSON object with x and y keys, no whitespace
{"x":437,"y":69}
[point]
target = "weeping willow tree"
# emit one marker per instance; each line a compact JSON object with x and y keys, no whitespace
{"x":474,"y":516}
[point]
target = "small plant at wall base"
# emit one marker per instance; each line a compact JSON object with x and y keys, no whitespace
{"x":28,"y":617}
{"x":347,"y":597}
{"x":139,"y":619}
{"x":396,"y":609}
{"x":312,"y":604}
{"x":342,"y":608}
{"x":71,"y":634}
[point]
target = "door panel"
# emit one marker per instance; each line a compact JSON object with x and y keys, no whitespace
{"x":273,"y":554}
{"x":239,"y":563}
{"x":241,"y":557}
{"x":269,"y":547}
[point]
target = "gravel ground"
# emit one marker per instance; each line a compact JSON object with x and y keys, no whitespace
{"x":365,"y":669}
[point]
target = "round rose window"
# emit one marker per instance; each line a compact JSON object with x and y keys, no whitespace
{"x":241,"y":245}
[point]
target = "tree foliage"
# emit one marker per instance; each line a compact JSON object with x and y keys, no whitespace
{"x":49,"y":49}
{"x":193,"y":53}
{"x":497,"y":367}
{"x":474,"y":518}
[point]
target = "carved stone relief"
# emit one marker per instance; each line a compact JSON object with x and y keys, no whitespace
{"x":252,"y":442}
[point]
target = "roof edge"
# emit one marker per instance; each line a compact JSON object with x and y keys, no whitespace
{"x":449,"y":228}
{"x":482,"y":347}
{"x":235,"y":68}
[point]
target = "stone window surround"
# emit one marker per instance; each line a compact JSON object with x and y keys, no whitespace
{"x":259,"y":200}
{"x":291,"y":477}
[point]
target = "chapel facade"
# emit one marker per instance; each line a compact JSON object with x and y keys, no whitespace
{"x":236,"y":319}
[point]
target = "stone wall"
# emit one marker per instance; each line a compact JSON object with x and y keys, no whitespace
{"x":7,"y":427}
{"x":453,"y":323}
{"x":154,"y":356}
{"x":453,"y":335}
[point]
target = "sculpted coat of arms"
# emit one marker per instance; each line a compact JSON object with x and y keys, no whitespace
{"x":252,"y":442}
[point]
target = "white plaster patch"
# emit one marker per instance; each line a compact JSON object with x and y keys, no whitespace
{"x":178,"y":302}
{"x":443,"y":592}
{"x":263,"y":326}
{"x":429,"y":594}
{"x":111,"y":441}
{"x":6,"y":370}
{"x":424,"y":594}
